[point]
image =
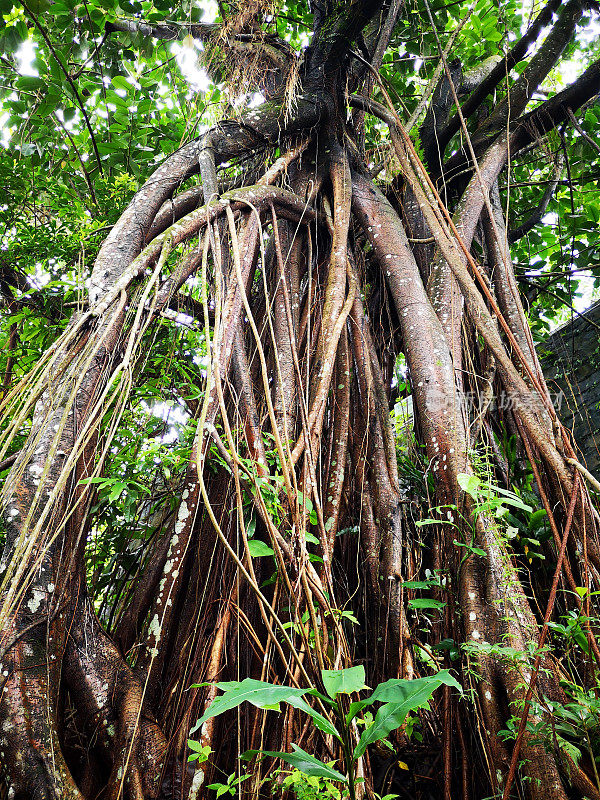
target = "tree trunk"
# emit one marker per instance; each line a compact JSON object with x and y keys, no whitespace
{"x":313,"y":281}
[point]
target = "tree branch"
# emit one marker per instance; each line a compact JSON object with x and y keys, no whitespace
{"x":581,"y":132}
{"x":549,"y":114}
{"x":261,"y":127}
{"x":166,"y":31}
{"x":536,"y":216}
{"x":537,"y":123}
{"x":519,"y":94}
{"x":70,"y":81}
{"x":332,"y":40}
{"x":500,"y":70}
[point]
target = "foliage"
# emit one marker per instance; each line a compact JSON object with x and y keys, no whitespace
{"x":243,"y":557}
{"x":398,"y":698}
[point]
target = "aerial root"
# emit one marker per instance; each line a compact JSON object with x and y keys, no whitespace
{"x":293,"y":356}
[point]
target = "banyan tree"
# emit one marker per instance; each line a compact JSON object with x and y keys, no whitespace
{"x":310,"y":267}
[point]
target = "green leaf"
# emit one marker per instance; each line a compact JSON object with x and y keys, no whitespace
{"x":193,"y":745}
{"x":567,"y":747}
{"x":418,"y":584}
{"x":305,"y":501}
{"x":31,"y":83}
{"x":388,"y":718}
{"x":343,"y":681}
{"x":475,"y":550}
{"x":511,"y":499}
{"x":120,"y":82}
{"x":257,"y":549}
{"x":400,"y":697}
{"x":396,"y":690}
{"x":356,"y":708}
{"x":58,"y":9}
{"x":425,"y":602}
{"x":421,"y":522}
{"x":258,"y":693}
{"x":470,"y":484}
{"x":307,"y":764}
{"x":116,"y":491}
{"x":321,"y":722}
{"x":200,"y":753}
{"x":263,"y":695}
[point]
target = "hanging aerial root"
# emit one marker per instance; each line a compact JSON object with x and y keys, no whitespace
{"x":383,"y":509}
{"x":150,"y":659}
{"x":317,"y":409}
{"x":65,"y":422}
{"x":209,"y":729}
{"x":529,"y":405}
{"x":45,"y":537}
{"x":285,"y":329}
{"x":339,"y":448}
{"x":281,"y":448}
{"x":448,"y":238}
{"x":538,"y":659}
{"x":478,"y":597}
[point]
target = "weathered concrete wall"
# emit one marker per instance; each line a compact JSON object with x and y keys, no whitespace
{"x":571,"y":363}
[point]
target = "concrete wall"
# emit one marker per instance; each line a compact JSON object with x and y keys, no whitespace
{"x":571,"y":363}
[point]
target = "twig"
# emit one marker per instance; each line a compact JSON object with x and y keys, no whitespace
{"x":542,"y":639}
{"x":585,"y":472}
{"x":581,"y":132}
{"x":431,"y":86}
{"x":92,"y":55}
{"x":8,"y":462}
{"x":536,"y":215}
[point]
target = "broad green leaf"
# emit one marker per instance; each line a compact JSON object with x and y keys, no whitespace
{"x":510,"y":498}
{"x":257,"y":548}
{"x":257,"y":693}
{"x":475,"y":550}
{"x":251,"y":527}
{"x":193,"y":745}
{"x":400,"y":698}
{"x":418,"y":584}
{"x":305,"y":502}
{"x":470,"y":484}
{"x":200,"y":753}
{"x":116,"y":491}
{"x":307,"y":764}
{"x":354,"y":709}
{"x":425,"y":602}
{"x":343,"y":681}
{"x":321,"y":722}
{"x":537,"y":519}
{"x":397,"y":690}
{"x":263,"y":695}
{"x":120,"y":82}
{"x":389,"y":717}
